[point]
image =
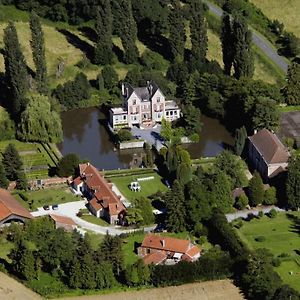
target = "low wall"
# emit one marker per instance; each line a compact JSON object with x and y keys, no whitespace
{"x":131,"y":145}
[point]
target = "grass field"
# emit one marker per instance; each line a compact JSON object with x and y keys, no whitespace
{"x":95,"y":220}
{"x":281,"y":236}
{"x":285,"y":11}
{"x":148,"y":187}
{"x":47,"y":197}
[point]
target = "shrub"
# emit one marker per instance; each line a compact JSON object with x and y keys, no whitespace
{"x":260,"y":238}
{"x":23,"y":197}
{"x":260,"y":214}
{"x":241,"y":202}
{"x":66,"y":166}
{"x":283,"y":255}
{"x":272,"y":213}
{"x":124,"y":135}
{"x":270,"y":196}
{"x":276,"y":262}
{"x":238,"y":224}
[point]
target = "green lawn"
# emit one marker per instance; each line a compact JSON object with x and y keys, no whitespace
{"x":47,"y":197}
{"x":281,"y":236}
{"x":148,"y":187}
{"x":95,"y":220}
{"x":5,"y":248}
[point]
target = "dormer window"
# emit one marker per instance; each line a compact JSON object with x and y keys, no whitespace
{"x":134,"y":102}
{"x":158,"y":99}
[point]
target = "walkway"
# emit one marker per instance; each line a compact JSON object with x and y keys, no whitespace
{"x":261,"y":42}
{"x":70,"y":210}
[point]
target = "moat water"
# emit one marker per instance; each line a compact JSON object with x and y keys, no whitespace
{"x":86,"y":135}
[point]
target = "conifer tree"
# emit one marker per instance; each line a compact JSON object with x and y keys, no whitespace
{"x":240,"y":139}
{"x":3,"y":180}
{"x":103,"y":27}
{"x":293,"y":183}
{"x":243,"y":56}
{"x":177,"y":35}
{"x":227,"y":44}
{"x":292,"y":89}
{"x":198,"y":32}
{"x":256,"y":190}
{"x":15,"y":69}
{"x":12,"y":162}
{"x":38,"y":52}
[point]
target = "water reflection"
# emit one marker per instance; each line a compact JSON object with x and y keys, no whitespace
{"x":86,"y":136}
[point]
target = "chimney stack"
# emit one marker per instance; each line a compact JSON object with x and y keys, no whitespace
{"x":123,"y":89}
{"x":163,"y":243}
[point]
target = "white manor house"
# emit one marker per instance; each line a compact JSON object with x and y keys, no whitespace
{"x":143,"y":106}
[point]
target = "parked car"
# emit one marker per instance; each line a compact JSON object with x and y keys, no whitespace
{"x":55,"y":206}
{"x":138,"y":137}
{"x":46,"y":207}
{"x":157,"y":136}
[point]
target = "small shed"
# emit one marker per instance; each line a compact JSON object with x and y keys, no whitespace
{"x":63,"y":222}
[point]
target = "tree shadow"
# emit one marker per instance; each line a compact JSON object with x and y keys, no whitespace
{"x":295,"y":223}
{"x":73,"y":39}
{"x":118,"y":52}
{"x":89,"y":33}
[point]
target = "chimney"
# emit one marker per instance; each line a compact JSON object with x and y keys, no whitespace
{"x":150,"y":89}
{"x":163,"y":243}
{"x":255,"y":131}
{"x":123,"y":89}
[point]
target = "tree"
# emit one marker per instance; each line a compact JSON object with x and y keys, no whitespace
{"x":198,"y":29}
{"x":22,"y":183}
{"x":239,"y":140}
{"x":243,"y":57}
{"x":191,"y":119}
{"x":256,"y":190}
{"x":67,"y":165}
{"x":38,"y":52}
{"x":285,"y":292}
{"x":292,"y":89}
{"x":184,"y":173}
{"x":12,"y":162}
{"x":144,"y":205}
{"x":15,"y":69}
{"x":7,"y":126}
{"x":4,"y":182}
{"x":103,"y":27}
{"x":293,"y":183}
{"x":270,"y":196}
{"x":110,"y":77}
{"x":134,"y":216}
{"x":104,"y":276}
{"x":39,"y":123}
{"x":177,"y":35}
{"x":241,"y":201}
{"x":265,"y":114}
{"x":175,"y":204}
{"x":227,"y":44}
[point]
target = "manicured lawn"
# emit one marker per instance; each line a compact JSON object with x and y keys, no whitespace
{"x":281,"y":236}
{"x":47,"y":197}
{"x":5,"y":248}
{"x":95,"y":220}
{"x":148,"y":187}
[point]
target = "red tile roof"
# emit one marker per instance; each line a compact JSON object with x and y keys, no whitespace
{"x":104,"y":197}
{"x":270,"y":147}
{"x":193,"y":251}
{"x":154,"y":258}
{"x":10,"y":206}
{"x":63,"y":220}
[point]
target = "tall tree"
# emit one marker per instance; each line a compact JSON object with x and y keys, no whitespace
{"x":243,"y":58}
{"x":292,"y":89}
{"x":15,"y":69}
{"x":256,"y":190}
{"x":38,"y":52}
{"x":198,"y":29}
{"x":239,"y":140}
{"x":3,"y":180}
{"x":103,"y":26}
{"x":227,"y":44}
{"x":12,"y":162}
{"x":177,"y":35}
{"x":293,"y":183}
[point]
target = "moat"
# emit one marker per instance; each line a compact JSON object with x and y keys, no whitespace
{"x":86,"y":135}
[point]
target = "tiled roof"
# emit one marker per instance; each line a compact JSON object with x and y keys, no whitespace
{"x":193,"y":251}
{"x":166,"y":243}
{"x":154,"y":258}
{"x":63,"y":220}
{"x":10,"y":206}
{"x":270,"y":147}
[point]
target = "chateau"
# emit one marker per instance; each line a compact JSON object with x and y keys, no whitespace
{"x":143,"y":106}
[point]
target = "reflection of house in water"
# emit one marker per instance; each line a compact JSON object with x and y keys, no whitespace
{"x":137,"y":160}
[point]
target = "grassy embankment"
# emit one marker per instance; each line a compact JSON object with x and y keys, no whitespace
{"x":281,"y":238}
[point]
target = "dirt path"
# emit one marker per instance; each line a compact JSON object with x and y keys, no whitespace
{"x":10,"y":289}
{"x":211,"y":290}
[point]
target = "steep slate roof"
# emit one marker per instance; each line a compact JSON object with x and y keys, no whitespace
{"x":270,"y":147}
{"x":144,"y":93}
{"x":104,"y":197}
{"x":10,"y":206}
{"x":62,"y":219}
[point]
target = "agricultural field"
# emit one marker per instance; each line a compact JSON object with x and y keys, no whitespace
{"x":281,"y":236}
{"x":285,"y":11}
{"x":37,"y":158}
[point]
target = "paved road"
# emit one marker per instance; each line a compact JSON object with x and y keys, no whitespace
{"x":258,"y":40}
{"x":70,"y":210}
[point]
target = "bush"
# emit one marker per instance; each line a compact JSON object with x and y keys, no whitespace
{"x":124,"y":135}
{"x":153,"y":60}
{"x":23,"y":197}
{"x":272,"y":213}
{"x":260,"y":214}
{"x":67,"y":165}
{"x":238,"y":224}
{"x":270,"y":196}
{"x":283,"y":255}
{"x":260,"y":238}
{"x":241,"y":202}
{"x":276,"y":262}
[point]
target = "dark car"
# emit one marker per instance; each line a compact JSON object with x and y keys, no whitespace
{"x":157,"y":136}
{"x":46,"y":207}
{"x":55,"y":206}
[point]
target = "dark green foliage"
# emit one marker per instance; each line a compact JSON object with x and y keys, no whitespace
{"x":3,"y":180}
{"x":256,"y":190}
{"x":153,"y":60}
{"x":272,"y":213}
{"x":144,"y":205}
{"x":265,"y":114}
{"x":104,"y":276}
{"x":7,"y":126}
{"x":191,"y":119}
{"x":67,"y":165}
{"x":22,"y":183}
{"x":72,"y":92}
{"x":239,"y":140}
{"x":38,"y":52}
{"x":285,"y":292}
{"x":124,"y":135}
{"x":227,"y":44}
{"x":241,"y":201}
{"x":12,"y":162}
{"x":177,"y":35}
{"x":175,"y":204}
{"x":292,"y":89}
{"x":270,"y":196}
{"x":293,"y":182}
{"x":103,"y":27}
{"x":110,"y":78}
{"x":15,"y":69}
{"x":137,"y":274}
{"x":198,"y":29}
{"x":134,"y":216}
{"x":184,"y":173}
{"x":148,"y":158}
{"x":243,"y":57}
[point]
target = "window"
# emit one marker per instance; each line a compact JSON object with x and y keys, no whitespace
{"x":171,"y":113}
{"x":158,"y":99}
{"x":175,"y":113}
{"x":167,"y":113}
{"x":134,"y":102}
{"x":124,"y":117}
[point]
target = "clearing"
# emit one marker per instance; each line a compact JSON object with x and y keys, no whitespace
{"x":274,"y":10}
{"x":281,"y":238}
